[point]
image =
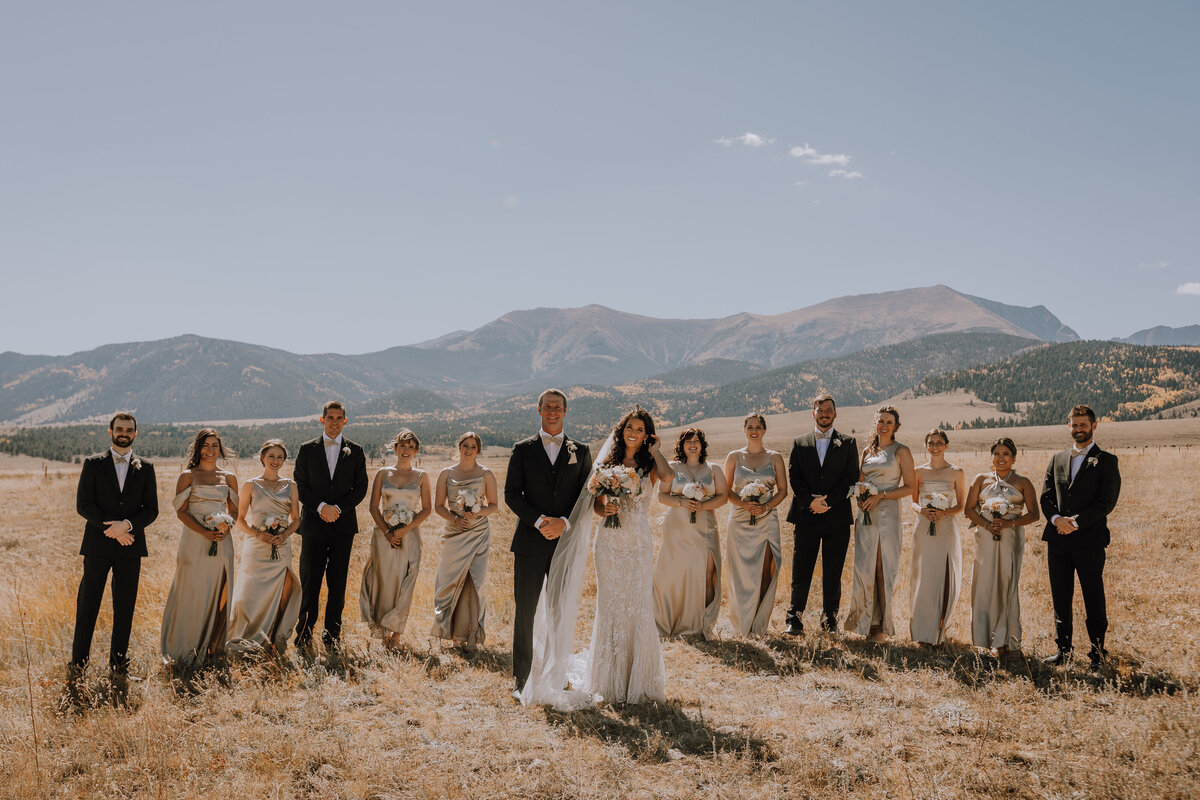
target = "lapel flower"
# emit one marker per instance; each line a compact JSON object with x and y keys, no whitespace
{"x":345,"y":451}
{"x":571,"y":450}
{"x":837,"y":441}
{"x":135,"y":462}
{"x":1092,"y":461}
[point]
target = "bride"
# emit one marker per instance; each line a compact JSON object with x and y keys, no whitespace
{"x":623,"y":663}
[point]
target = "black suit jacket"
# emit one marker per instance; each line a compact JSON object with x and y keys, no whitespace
{"x":1092,"y":495}
{"x":807,"y":477}
{"x":534,"y":487}
{"x":99,"y":499}
{"x":346,"y":489}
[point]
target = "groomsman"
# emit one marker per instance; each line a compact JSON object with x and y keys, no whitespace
{"x":546,"y":474}
{"x":118,"y":497}
{"x":1081,"y":489}
{"x":822,"y":467}
{"x":331,"y":476}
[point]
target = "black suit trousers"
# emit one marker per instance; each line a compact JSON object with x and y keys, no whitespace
{"x":832,"y":547}
{"x":125,"y":575}
{"x":529,"y":573}
{"x":1088,"y":563}
{"x":323,"y":555}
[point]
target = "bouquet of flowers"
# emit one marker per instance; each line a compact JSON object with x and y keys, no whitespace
{"x":994,"y":508}
{"x":860,"y":492}
{"x":274,"y":524}
{"x":398,"y":516}
{"x":614,"y":483}
{"x":466,"y":501}
{"x":694,"y":491}
{"x":755,"y":492}
{"x":214,"y":522}
{"x":936,"y":501}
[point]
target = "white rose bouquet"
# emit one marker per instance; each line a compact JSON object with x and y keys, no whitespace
{"x":274,"y":524}
{"x":214,"y":522}
{"x":694,"y":491}
{"x":614,"y":483}
{"x":935,"y":501}
{"x":755,"y":492}
{"x":860,"y":492}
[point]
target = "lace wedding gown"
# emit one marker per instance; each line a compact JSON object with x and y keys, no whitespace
{"x":625,"y":662}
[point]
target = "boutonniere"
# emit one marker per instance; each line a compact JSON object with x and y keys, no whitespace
{"x":135,"y":462}
{"x":837,"y":441}
{"x":346,"y":450}
{"x":1092,"y":461}
{"x":571,"y":451}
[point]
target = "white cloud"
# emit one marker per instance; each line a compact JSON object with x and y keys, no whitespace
{"x":812,"y":156}
{"x":1154,"y":265}
{"x":841,"y":173}
{"x":749,"y":139}
{"x":1189,"y":288}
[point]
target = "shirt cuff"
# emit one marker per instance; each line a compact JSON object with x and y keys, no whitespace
{"x":543,"y":517}
{"x":319,"y":507}
{"x":1054,"y":519}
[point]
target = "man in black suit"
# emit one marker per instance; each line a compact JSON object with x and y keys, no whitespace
{"x":821,"y":469}
{"x":331,"y":476}
{"x":1081,"y":490}
{"x":546,"y":474}
{"x":118,"y":496}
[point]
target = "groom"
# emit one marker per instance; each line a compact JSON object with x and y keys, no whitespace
{"x":546,"y":473}
{"x":1081,"y":490}
{"x":821,"y":469}
{"x":331,"y":476}
{"x":118,"y":497}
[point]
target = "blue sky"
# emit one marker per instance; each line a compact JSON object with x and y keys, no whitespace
{"x":231,"y":169}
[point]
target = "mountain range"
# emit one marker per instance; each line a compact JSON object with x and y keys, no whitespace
{"x":194,"y":378}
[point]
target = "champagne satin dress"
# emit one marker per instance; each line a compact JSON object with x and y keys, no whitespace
{"x":936,"y":569}
{"x":391,"y":573}
{"x":681,"y":571}
{"x":459,"y":601}
{"x":266,"y":601}
{"x":877,"y":542}
{"x":996,"y":584}
{"x":196,"y":614}
{"x":747,"y":549}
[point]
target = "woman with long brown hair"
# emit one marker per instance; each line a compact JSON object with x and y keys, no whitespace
{"x":886,"y":476}
{"x":195,"y":617}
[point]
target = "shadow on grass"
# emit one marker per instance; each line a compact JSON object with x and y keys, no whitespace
{"x":490,"y":660}
{"x":784,"y":655}
{"x":660,"y":732}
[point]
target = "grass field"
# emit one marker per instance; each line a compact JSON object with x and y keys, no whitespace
{"x":823,"y":716}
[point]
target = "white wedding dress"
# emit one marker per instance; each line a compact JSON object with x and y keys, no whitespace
{"x":624,"y":662}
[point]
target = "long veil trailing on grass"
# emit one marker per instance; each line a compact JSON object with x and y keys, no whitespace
{"x":558,"y":610}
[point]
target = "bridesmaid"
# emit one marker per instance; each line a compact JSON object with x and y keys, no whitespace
{"x":195,"y":617}
{"x":687,"y":575}
{"x":266,"y":601}
{"x":889,"y":466}
{"x":459,"y":605}
{"x":937,"y":552}
{"x":999,"y":547}
{"x":391,"y":572}
{"x":752,"y":537}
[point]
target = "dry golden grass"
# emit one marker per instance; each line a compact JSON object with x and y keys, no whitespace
{"x":769,"y":717}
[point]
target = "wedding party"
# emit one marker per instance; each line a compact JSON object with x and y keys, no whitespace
{"x":570,"y":504}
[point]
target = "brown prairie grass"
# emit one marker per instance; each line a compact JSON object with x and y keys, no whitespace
{"x":746,"y":718}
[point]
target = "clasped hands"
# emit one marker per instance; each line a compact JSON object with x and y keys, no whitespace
{"x":120,"y":530}
{"x":552,"y":527}
{"x":1066,"y":525}
{"x":329,"y":513}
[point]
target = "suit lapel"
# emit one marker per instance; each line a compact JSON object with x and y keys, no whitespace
{"x":110,"y":469}
{"x":560,"y":462}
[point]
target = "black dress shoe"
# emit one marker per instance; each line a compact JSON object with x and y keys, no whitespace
{"x":1097,"y":657}
{"x":1058,"y":659}
{"x":794,"y":628}
{"x":829,"y":624}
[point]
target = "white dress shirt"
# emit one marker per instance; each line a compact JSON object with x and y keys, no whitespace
{"x":1077,"y":457}
{"x":331,"y":457}
{"x":823,"y":443}
{"x":121,"y":464}
{"x":552,"y":448}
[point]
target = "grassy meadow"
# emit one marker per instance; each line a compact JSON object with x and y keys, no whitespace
{"x":823,"y":716}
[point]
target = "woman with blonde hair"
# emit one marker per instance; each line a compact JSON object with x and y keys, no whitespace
{"x":266,"y":601}
{"x":936,"y":552}
{"x":400,"y":502}
{"x":885,"y":478}
{"x":465,"y":496}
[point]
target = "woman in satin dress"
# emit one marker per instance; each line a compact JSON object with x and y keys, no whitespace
{"x":999,"y":549}
{"x":687,"y":574}
{"x":390,"y":575}
{"x":195,"y":617}
{"x":936,"y":567}
{"x":752,"y":546}
{"x":459,"y":599}
{"x":266,"y":600}
{"x":889,"y":466}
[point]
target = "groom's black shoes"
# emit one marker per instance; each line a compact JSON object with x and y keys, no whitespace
{"x":829,"y":624}
{"x":794,"y":628}
{"x":1061,"y":658}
